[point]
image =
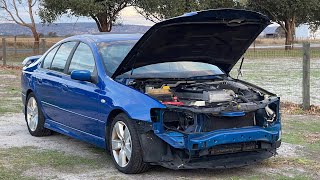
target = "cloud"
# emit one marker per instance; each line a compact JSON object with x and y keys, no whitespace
{"x":129,"y":15}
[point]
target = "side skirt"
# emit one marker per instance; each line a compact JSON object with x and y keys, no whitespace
{"x":75,"y":133}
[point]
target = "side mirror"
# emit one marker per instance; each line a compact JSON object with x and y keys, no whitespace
{"x":81,"y":75}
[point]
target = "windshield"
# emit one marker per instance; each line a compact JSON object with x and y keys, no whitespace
{"x":113,"y":54}
{"x":184,"y":69}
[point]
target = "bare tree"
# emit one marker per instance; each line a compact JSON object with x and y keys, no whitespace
{"x":13,"y":13}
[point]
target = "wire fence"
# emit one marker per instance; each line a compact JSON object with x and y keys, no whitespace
{"x":14,"y":50}
{"x":268,"y":66}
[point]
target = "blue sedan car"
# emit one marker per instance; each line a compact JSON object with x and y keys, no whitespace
{"x":163,"y":98}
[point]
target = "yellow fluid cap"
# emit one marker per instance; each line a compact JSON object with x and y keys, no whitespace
{"x":166,"y":87}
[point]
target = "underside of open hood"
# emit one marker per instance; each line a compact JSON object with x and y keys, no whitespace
{"x":219,"y":37}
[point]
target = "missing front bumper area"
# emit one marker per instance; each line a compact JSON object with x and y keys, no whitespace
{"x":187,"y":138}
{"x":238,"y":147}
{"x":158,"y":152}
{"x":220,"y":161}
{"x":189,"y":120}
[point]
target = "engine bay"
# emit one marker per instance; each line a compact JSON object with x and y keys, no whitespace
{"x":197,"y":94}
{"x":209,"y":103}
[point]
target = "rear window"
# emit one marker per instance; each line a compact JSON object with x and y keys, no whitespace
{"x":48,"y":59}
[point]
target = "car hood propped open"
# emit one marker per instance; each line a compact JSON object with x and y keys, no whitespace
{"x":219,"y":37}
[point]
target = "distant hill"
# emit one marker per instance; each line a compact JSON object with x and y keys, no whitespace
{"x":63,"y":29}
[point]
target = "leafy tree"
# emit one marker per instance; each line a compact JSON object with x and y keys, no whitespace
{"x":287,"y":13}
{"x":158,"y":10}
{"x":214,"y":4}
{"x":314,"y":17}
{"x":13,"y":10}
{"x":103,"y":12}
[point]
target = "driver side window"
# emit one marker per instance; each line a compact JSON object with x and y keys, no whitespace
{"x":82,"y":59}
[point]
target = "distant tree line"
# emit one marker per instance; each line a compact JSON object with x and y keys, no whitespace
{"x":50,"y":34}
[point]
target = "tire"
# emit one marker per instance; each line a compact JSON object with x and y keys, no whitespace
{"x":133,"y":164}
{"x":35,"y":118}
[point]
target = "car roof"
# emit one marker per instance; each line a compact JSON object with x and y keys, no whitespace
{"x":106,"y":37}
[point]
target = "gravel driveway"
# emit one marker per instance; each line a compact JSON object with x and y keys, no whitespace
{"x":14,"y":134}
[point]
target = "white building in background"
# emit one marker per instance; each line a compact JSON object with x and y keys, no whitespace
{"x":302,"y":32}
{"x":270,"y":31}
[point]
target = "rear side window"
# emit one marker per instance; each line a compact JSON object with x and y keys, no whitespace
{"x":48,"y":59}
{"x":61,"y":56}
{"x":82,"y":59}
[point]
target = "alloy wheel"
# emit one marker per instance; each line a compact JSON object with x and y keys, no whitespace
{"x":121,"y":144}
{"x":32,"y":114}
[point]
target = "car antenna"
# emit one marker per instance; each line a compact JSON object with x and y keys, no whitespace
{"x":239,"y":70}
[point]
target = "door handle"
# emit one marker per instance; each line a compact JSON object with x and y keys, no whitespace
{"x":39,"y":81}
{"x":64,"y":87}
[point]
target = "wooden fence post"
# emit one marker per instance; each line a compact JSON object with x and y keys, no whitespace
{"x":4,"y":51}
{"x":43,"y":46}
{"x":306,"y":76}
{"x":15,"y":46}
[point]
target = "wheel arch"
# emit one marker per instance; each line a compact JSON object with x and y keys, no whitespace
{"x":28,"y":92}
{"x":25,"y":97}
{"x":111,"y":115}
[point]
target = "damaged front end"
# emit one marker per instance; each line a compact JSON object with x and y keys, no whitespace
{"x":209,"y":124}
{"x":210,"y":120}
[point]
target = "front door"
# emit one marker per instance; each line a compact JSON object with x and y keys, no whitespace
{"x":81,"y":100}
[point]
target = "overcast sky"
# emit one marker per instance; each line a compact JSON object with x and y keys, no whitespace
{"x":127,"y":16}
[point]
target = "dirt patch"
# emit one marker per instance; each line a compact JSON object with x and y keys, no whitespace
{"x":295,"y":109}
{"x":7,"y":76}
{"x":17,"y":68}
{"x":289,"y":150}
{"x":14,"y":133}
{"x":313,"y":137}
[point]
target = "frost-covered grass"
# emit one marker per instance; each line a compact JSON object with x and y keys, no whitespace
{"x":282,"y":76}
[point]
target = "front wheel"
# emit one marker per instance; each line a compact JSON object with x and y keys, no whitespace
{"x":125,"y":146}
{"x":34,"y":117}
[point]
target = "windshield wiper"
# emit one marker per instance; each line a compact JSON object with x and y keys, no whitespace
{"x":221,"y":76}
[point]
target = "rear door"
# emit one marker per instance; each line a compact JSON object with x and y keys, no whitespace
{"x":51,"y":84}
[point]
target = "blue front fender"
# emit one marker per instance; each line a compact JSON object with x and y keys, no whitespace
{"x":136,"y":104}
